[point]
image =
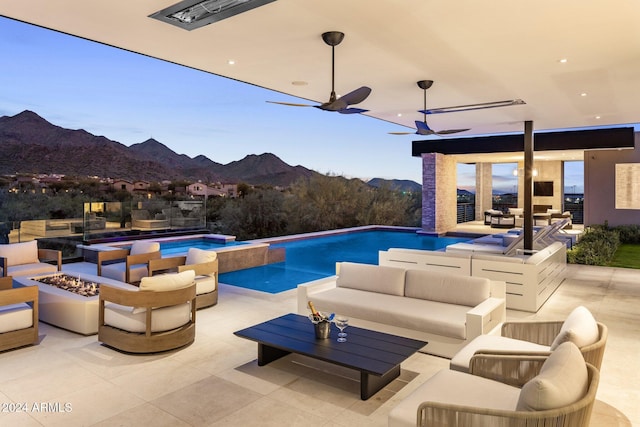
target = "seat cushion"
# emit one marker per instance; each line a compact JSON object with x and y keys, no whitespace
{"x":563,"y":380}
{"x":457,"y":388}
{"x":14,"y":317}
{"x":205,"y":284}
{"x":580,"y":327}
{"x":460,"y":361}
{"x":20,"y":253}
{"x":168,"y":282}
{"x":162,"y":319}
{"x":200,"y":256}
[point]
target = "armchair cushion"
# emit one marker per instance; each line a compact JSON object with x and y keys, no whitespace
{"x":563,"y":380}
{"x":15,"y":316}
{"x":165,"y":282}
{"x":164,"y":319}
{"x":143,"y":247}
{"x":580,"y":327}
{"x":20,"y":253}
{"x":200,"y":256}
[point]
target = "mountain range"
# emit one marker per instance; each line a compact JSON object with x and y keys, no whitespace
{"x":31,"y":144}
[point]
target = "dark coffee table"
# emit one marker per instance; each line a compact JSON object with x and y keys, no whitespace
{"x":376,"y":355}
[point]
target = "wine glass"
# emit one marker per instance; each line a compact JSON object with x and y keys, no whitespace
{"x":341,"y":322}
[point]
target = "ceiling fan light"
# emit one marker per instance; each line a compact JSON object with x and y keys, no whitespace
{"x":192,"y":14}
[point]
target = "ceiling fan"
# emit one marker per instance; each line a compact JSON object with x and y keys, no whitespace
{"x":340,"y":105}
{"x":422,"y":128}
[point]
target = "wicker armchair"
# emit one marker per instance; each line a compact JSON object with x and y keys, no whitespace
{"x":515,"y":371}
{"x":203,"y":263}
{"x":160,"y":316}
{"x":134,"y":267}
{"x":18,"y":315}
{"x":533,"y":337}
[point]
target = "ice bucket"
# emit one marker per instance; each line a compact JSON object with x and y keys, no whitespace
{"x":322,"y":329}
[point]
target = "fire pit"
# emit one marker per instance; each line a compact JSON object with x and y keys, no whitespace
{"x":71,"y":284}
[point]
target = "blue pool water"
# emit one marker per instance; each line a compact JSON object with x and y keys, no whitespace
{"x":316,"y":257}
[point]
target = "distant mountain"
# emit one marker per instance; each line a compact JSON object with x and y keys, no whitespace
{"x":396,"y":184}
{"x":30,"y":144}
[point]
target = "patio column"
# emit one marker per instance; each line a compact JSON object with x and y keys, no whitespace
{"x":439,"y":195}
{"x":484,"y":189}
{"x":528,"y":185}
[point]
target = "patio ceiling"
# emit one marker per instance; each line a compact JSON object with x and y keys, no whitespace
{"x":474,"y":51}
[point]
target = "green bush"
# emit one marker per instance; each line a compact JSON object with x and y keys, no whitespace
{"x":597,"y":246}
{"x":629,"y":233}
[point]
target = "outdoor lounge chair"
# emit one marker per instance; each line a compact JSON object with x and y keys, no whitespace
{"x":540,"y":337}
{"x":528,"y":391}
{"x":203,"y":263}
{"x":22,"y":259}
{"x":134,"y":267}
{"x":18,"y":315}
{"x":160,"y":316}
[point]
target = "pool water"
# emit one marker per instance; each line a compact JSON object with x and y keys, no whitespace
{"x":316,"y":257}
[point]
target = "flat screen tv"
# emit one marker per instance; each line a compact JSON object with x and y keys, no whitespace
{"x":543,"y":188}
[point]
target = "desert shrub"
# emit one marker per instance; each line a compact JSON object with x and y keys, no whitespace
{"x":596,"y":247}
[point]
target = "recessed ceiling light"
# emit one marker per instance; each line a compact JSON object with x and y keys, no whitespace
{"x":583,"y":94}
{"x":563,"y":61}
{"x":231,"y":62}
{"x":399,"y":114}
{"x":299,"y":83}
{"x":597,"y":117}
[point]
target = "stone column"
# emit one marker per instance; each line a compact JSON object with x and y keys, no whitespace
{"x":484,"y":189}
{"x":439,"y":195}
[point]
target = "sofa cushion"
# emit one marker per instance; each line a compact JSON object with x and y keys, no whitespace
{"x":373,"y":278}
{"x":448,"y":320}
{"x":143,"y":247}
{"x":447,"y":288}
{"x":563,"y":380}
{"x":14,"y":317}
{"x":580,"y":327}
{"x":451,"y":387}
{"x":20,"y":253}
{"x":200,"y":256}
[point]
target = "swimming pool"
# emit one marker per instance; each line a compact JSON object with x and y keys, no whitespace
{"x":315,"y":258}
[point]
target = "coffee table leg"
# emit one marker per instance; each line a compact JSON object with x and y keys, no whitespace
{"x":371,"y":384}
{"x":267,"y":354}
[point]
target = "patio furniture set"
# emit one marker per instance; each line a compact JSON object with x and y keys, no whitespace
{"x":529,"y":373}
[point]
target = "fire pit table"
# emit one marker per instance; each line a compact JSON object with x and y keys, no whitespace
{"x":64,"y":308}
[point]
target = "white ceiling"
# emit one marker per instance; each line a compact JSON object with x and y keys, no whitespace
{"x":474,"y":51}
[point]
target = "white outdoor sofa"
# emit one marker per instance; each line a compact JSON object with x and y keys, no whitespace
{"x":445,"y":310}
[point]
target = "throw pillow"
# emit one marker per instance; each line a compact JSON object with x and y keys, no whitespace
{"x":580,"y":327}
{"x":563,"y":380}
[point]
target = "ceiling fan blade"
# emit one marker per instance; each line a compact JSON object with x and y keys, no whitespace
{"x":450,"y":131}
{"x":470,"y":107}
{"x":356,"y":96}
{"x":422,"y":128}
{"x":400,"y":133}
{"x":290,"y":104}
